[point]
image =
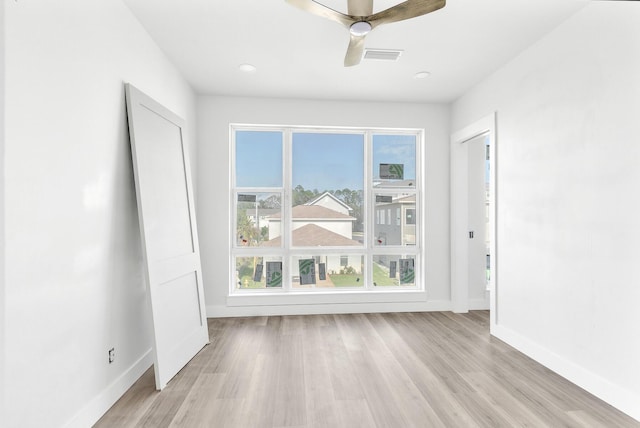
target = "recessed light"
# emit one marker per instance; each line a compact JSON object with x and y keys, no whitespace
{"x":422,"y":75}
{"x":247,"y":68}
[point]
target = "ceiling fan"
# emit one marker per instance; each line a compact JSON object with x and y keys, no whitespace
{"x":360,"y":19}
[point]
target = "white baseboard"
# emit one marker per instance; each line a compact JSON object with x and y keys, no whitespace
{"x":622,"y":399}
{"x":221,"y":311}
{"x":93,"y":411}
{"x":479,"y":304}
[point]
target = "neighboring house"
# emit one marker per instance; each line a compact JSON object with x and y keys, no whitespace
{"x":395,"y":222}
{"x":327,"y":200}
{"x":262,"y":214}
{"x":393,"y":183}
{"x":313,"y":235}
{"x":322,"y":222}
{"x":302,"y":215}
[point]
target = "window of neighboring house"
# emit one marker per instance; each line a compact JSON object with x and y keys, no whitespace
{"x":301,"y":200}
{"x":411,"y":216}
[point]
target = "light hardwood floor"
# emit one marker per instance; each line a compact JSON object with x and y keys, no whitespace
{"x":373,"y":370}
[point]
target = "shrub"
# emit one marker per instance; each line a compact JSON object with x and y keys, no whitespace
{"x":348,"y":270}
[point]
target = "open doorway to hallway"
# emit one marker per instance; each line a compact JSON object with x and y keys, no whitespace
{"x":478,"y":215}
{"x":473,"y":218}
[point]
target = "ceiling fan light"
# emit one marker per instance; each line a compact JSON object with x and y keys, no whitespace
{"x":360,"y":28}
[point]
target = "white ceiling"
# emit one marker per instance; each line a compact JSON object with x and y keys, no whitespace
{"x":299,"y":55}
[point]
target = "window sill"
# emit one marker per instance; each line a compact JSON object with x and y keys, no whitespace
{"x":326,"y":298}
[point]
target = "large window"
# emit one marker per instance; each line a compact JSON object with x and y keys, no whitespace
{"x":325,"y":209}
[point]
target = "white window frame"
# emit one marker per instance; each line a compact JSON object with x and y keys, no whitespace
{"x":369,"y":248}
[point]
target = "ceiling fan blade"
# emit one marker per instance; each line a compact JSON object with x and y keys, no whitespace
{"x":405,"y":10}
{"x":316,"y":8}
{"x":354,"y":51}
{"x":360,"y":7}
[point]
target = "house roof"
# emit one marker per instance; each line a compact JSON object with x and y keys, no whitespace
{"x":406,"y":199}
{"x":329,"y":195}
{"x":312,"y":235}
{"x":315,"y":212}
{"x":394,"y":183}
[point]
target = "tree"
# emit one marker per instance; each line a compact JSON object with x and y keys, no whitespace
{"x":271,"y":202}
{"x":301,"y":196}
{"x":248,"y":233}
{"x":354,"y":199}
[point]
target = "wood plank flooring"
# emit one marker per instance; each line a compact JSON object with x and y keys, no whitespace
{"x":367,"y":370}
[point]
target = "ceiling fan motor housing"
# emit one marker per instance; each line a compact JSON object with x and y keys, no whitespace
{"x":360,"y":28}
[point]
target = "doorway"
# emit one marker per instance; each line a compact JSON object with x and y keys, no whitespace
{"x":478,"y":206}
{"x":473,"y":218}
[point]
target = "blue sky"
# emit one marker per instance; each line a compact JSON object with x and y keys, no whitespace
{"x":320,"y":161}
{"x":328,"y":161}
{"x":399,"y":149}
{"x":258,"y":159}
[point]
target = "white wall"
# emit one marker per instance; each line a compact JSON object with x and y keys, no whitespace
{"x":214,"y":116}
{"x":2,"y":271}
{"x":74,"y":284}
{"x":568,"y":200}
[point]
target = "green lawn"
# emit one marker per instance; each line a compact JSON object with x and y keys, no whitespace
{"x":248,"y":282}
{"x":347,"y":280}
{"x":381,"y":276}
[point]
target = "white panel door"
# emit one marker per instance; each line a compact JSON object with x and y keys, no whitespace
{"x":168,"y":230}
{"x":477,"y":217}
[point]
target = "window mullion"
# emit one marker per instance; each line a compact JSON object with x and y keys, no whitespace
{"x":286,"y":211}
{"x":367,"y":195}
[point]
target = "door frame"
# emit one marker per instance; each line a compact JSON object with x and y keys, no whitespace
{"x":459,"y":216}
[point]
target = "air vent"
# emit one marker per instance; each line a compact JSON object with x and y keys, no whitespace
{"x":382,"y":54}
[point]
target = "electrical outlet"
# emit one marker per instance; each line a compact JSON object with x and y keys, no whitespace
{"x":112,"y":355}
